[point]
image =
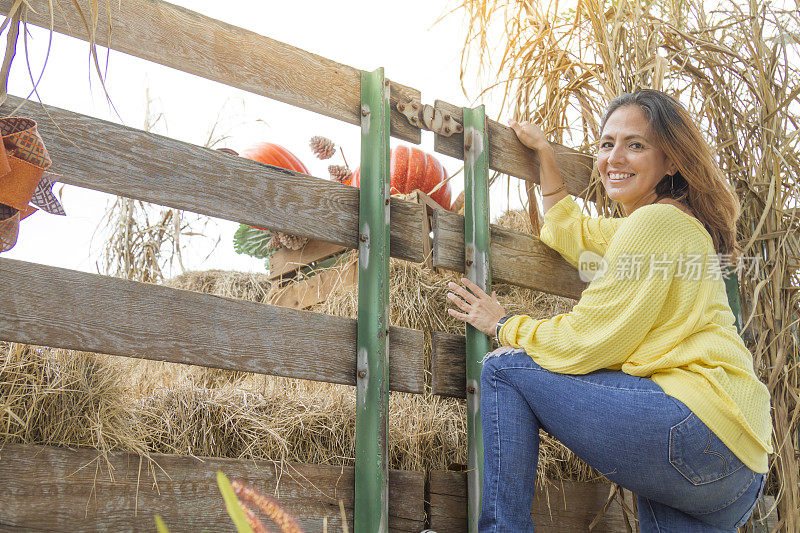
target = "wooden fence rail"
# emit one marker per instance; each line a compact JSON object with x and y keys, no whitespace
{"x":60,"y":308}
{"x":55,"y":489}
{"x":50,"y":306}
{"x":517,"y":258}
{"x":220,"y":52}
{"x":100,"y":155}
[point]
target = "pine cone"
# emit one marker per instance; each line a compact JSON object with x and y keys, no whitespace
{"x":290,"y":241}
{"x":274,"y":243}
{"x":340,"y":173}
{"x":322,"y":147}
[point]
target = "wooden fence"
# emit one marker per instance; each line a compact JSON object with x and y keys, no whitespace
{"x":76,"y":490}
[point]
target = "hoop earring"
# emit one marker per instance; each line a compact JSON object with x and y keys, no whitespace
{"x":672,"y":182}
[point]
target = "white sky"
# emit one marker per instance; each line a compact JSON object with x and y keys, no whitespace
{"x":402,"y":38}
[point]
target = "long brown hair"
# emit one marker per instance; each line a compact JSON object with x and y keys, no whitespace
{"x":699,"y":182}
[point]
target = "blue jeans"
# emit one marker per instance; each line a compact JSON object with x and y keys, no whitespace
{"x":685,"y":479}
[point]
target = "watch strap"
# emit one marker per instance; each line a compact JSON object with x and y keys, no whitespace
{"x":500,"y":326}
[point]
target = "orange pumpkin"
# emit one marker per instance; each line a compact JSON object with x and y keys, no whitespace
{"x":275,"y":155}
{"x":410,"y":168}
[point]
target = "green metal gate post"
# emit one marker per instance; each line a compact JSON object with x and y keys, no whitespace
{"x":734,"y":298}
{"x":372,"y":402}
{"x":478,"y":269}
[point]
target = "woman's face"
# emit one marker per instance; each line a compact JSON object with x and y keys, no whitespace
{"x":630,"y":163}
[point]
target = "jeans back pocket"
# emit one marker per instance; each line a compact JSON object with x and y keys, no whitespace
{"x":698,"y":454}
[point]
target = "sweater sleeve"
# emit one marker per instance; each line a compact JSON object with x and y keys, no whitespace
{"x":570,"y":232}
{"x":616,"y":310}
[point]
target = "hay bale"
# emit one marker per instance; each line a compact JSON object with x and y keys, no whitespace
{"x":242,"y":285}
{"x":65,"y":398}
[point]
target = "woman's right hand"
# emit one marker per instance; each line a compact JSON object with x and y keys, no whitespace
{"x":529,"y":134}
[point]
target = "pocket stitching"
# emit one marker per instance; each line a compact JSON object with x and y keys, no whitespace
{"x":724,"y":459}
{"x":673,"y":461}
{"x":676,"y":462}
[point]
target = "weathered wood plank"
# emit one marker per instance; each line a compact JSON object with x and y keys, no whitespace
{"x":136,"y":164}
{"x":315,"y":289}
{"x":55,"y":489}
{"x":509,"y":156}
{"x":284,"y":261}
{"x":571,"y":507}
{"x":182,"y":39}
{"x":517,"y":258}
{"x":50,"y":306}
{"x":561,"y":507}
{"x":115,"y":159}
{"x":448,"y":360}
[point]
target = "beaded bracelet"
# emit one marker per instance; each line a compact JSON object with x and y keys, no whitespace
{"x":555,"y":191}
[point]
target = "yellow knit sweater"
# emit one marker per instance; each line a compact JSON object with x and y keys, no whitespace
{"x":660,"y":311}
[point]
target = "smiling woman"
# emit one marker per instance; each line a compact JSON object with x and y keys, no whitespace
{"x":681,"y":169}
{"x":649,"y":360}
{"x":631,"y":164}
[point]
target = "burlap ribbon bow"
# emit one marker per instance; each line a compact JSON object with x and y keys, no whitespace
{"x":23,"y":161}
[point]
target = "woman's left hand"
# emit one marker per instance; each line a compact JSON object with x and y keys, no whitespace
{"x":480,"y":310}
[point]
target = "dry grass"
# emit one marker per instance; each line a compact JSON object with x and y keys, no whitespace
{"x":65,"y":398}
{"x":735,"y":66}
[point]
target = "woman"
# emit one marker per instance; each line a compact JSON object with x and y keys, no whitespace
{"x":646,"y":379}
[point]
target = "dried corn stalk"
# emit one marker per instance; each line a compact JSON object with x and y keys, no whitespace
{"x":734,"y":65}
